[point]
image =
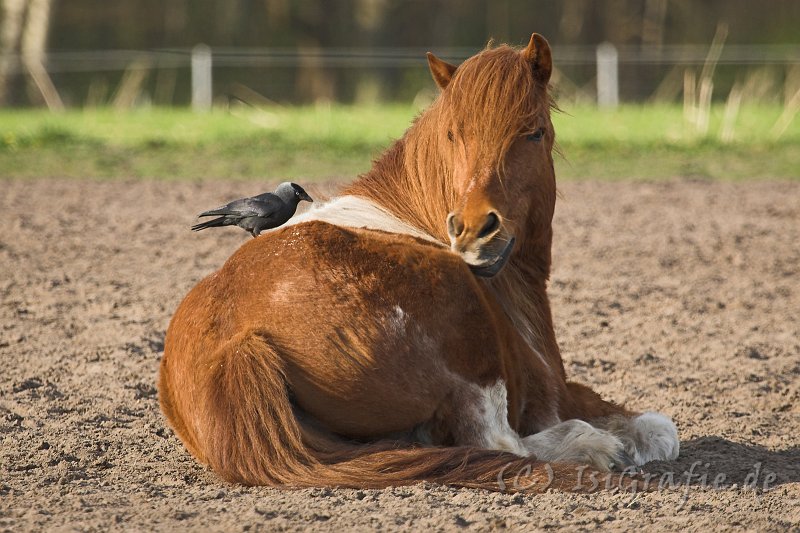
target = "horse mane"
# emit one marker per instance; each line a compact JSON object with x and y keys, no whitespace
{"x":493,"y":93}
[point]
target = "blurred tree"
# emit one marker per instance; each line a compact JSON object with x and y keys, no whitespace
{"x":25,"y":24}
{"x":655,"y":16}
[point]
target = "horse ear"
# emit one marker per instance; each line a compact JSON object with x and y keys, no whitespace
{"x":442,"y":71}
{"x":538,"y":54}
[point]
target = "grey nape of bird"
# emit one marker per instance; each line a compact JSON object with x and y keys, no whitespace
{"x":256,"y":214}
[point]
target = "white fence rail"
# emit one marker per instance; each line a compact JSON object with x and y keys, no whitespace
{"x":98,"y":60}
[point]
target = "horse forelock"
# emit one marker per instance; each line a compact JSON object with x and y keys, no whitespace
{"x":494,"y":96}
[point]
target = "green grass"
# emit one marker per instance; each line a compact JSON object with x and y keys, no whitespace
{"x":655,"y":142}
{"x":339,"y":142}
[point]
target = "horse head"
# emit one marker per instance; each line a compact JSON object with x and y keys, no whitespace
{"x":496,"y":137}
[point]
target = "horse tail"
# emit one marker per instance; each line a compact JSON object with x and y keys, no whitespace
{"x":254,"y":436}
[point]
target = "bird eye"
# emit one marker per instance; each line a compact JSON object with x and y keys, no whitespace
{"x":450,"y":136}
{"x":536,"y":136}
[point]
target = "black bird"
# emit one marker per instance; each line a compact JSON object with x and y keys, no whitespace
{"x":265,"y":211}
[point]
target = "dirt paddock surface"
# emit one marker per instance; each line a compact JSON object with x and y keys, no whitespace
{"x":681,"y":297}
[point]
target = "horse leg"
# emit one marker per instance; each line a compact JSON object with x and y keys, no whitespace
{"x":576,"y":441}
{"x":474,"y":415}
{"x":644,"y":436}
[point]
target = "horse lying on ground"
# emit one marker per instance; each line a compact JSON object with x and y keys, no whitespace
{"x":402,"y":332}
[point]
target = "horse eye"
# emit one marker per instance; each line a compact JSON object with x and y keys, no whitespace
{"x":536,"y":136}
{"x":450,"y":136}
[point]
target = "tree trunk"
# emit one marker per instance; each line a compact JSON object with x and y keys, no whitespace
{"x":10,"y":30}
{"x":34,"y":41}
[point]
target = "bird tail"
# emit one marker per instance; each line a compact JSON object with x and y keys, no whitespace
{"x":215,"y":223}
{"x":224,"y":210}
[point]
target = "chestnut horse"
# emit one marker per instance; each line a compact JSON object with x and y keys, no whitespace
{"x":402,"y":331}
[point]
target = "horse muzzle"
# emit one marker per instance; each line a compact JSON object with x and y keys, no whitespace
{"x":485,"y":251}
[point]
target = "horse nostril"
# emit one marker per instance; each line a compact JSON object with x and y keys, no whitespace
{"x":490,"y":226}
{"x":455,"y":226}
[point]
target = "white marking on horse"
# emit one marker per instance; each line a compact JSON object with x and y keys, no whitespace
{"x":656,"y":438}
{"x":354,"y":212}
{"x":397,"y":321}
{"x":576,"y":441}
{"x":470,"y":256}
{"x":399,"y":317}
{"x":492,"y":415}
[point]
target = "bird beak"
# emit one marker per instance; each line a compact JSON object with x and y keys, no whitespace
{"x":306,"y":197}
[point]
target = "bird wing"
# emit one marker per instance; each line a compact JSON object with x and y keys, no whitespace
{"x":257,"y":206}
{"x":269,"y":203}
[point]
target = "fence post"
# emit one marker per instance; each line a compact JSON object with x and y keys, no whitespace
{"x":201,"y":78}
{"x":607,"y":76}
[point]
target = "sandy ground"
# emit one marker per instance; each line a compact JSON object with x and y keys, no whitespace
{"x":681,"y":297}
